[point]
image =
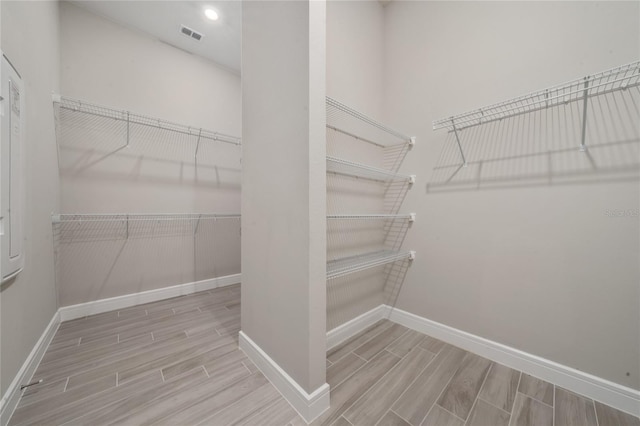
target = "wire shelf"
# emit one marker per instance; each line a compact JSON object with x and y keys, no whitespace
{"x":81,"y":107}
{"x":410,"y":217}
{"x":66,"y":218}
{"x":350,"y":168}
{"x":620,"y":78}
{"x":102,"y":227}
{"x":341,"y":267}
{"x":350,"y":122}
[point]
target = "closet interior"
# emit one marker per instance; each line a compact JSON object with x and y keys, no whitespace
{"x":276,"y":213}
{"x":110,"y":237}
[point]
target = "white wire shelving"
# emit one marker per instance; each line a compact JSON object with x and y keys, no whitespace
{"x":366,"y":240}
{"x":410,"y":216}
{"x":351,"y":122}
{"x":96,"y":227}
{"x":351,"y":168}
{"x":81,"y":108}
{"x":580,"y":90}
{"x":349,"y":265}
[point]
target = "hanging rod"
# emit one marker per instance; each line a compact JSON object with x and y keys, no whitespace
{"x":620,"y":78}
{"x":341,"y":267}
{"x":332,"y":103}
{"x":77,"y":218}
{"x":411,"y":217}
{"x":87,"y":108}
{"x":350,"y":168}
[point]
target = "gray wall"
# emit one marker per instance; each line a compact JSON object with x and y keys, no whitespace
{"x":27,"y":304}
{"x":522,"y":251}
{"x":108,"y":64}
{"x":283,"y":185}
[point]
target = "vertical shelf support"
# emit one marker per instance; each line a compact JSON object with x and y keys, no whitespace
{"x":195,"y":230}
{"x":128,"y":126}
{"x":583,"y":146}
{"x":195,"y":155}
{"x":455,"y":132}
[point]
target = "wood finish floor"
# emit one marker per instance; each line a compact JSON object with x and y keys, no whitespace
{"x":177,"y":362}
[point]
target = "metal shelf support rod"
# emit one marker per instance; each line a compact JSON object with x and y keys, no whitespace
{"x":583,"y":147}
{"x":195,"y":155}
{"x":455,"y":132}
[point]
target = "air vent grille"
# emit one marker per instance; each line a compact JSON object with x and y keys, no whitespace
{"x":184,"y":30}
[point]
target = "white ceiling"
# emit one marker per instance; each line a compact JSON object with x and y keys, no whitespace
{"x":162,"y":19}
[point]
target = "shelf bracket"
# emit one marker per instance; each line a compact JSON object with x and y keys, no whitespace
{"x":585,"y":103}
{"x":195,"y":230}
{"x":128,"y":122}
{"x":455,"y":132}
{"x":198,"y":144}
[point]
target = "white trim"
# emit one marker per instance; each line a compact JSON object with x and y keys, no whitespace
{"x":609,"y":393}
{"x":120,"y":302}
{"x":309,"y":406}
{"x":349,"y":329}
{"x":11,"y":398}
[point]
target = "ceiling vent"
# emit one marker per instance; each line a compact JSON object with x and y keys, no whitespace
{"x":191,"y":33}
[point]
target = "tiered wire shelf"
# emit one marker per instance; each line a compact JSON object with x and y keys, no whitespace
{"x":347,"y":126}
{"x":350,"y":168}
{"x":79,"y":110}
{"x":410,"y":216}
{"x":349,"y":265}
{"x":99,"y":227}
{"x":580,"y":90}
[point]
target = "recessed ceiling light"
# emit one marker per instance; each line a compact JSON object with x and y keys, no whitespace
{"x":211,"y":14}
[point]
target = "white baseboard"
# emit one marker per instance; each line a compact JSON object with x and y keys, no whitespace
{"x":309,"y":406}
{"x":349,"y":329}
{"x":120,"y":302}
{"x":11,"y":398}
{"x":617,"y":396}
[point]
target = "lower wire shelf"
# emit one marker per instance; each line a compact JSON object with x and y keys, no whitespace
{"x":348,"y":265}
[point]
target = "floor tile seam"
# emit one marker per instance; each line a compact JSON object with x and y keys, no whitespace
{"x":454,"y":415}
{"x":392,"y":411}
{"x":412,"y":381}
{"x":372,"y":385}
{"x":128,"y":353}
{"x":209,"y":349}
{"x":443,"y":389}
{"x":537,"y":400}
{"x":40,"y":419}
{"x":484,"y":380}
{"x":354,"y":349}
{"x":353,"y":372}
{"x":492,"y":404}
{"x":377,"y":381}
{"x":553,"y":413}
{"x":239,"y":402}
{"x":133,"y":355}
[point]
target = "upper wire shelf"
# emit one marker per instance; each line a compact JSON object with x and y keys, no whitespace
{"x":81,"y":107}
{"x":349,"y":265}
{"x":619,"y":78}
{"x":350,"y":168}
{"x":110,"y":227}
{"x":350,"y":122}
{"x":410,"y":216}
{"x":67,"y":218}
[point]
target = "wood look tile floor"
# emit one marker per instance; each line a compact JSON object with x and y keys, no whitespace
{"x":177,"y":362}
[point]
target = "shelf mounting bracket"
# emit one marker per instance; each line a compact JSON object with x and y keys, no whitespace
{"x":128,"y":126}
{"x":455,"y":132}
{"x":195,"y":155}
{"x":583,"y":146}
